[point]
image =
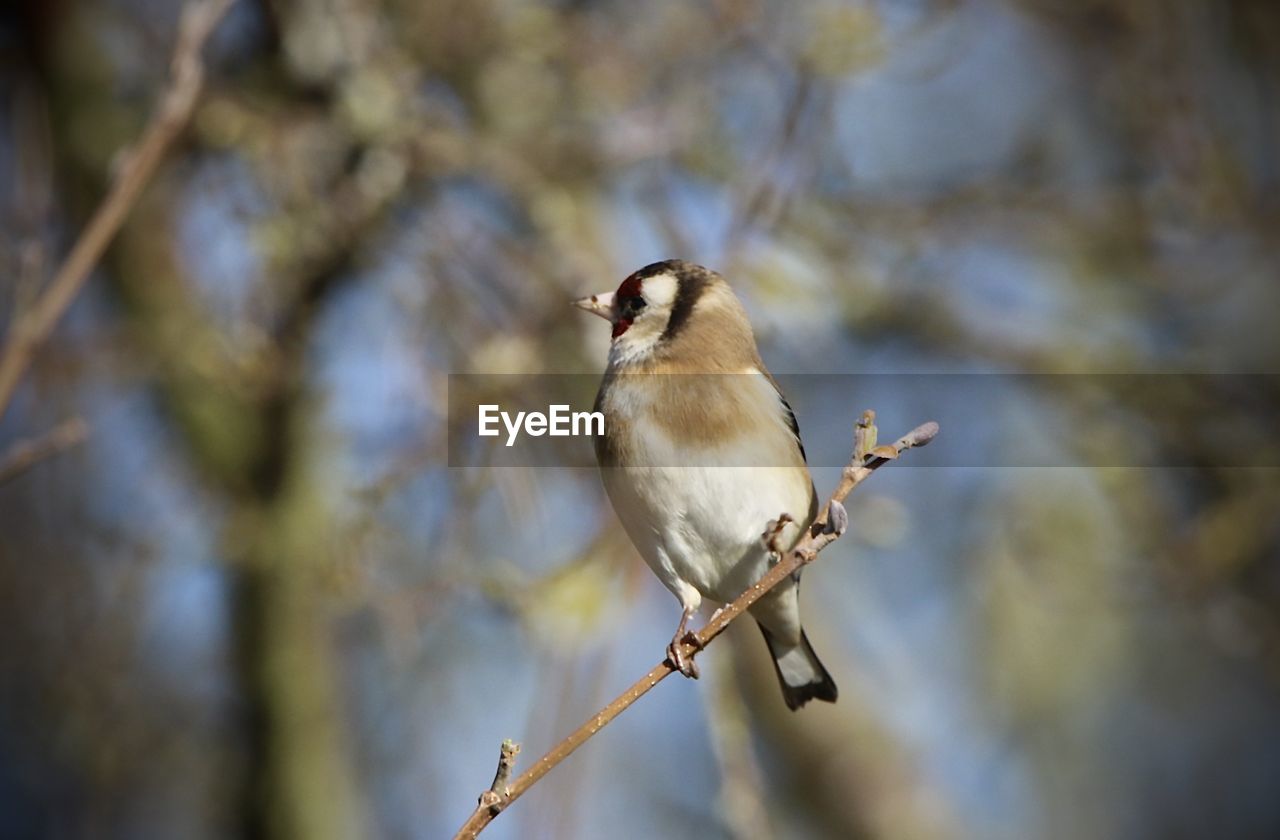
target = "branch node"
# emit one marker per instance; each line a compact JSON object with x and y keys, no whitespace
{"x":919,"y":436}
{"x":837,"y":518}
{"x":864,"y":437}
{"x":499,"y":793}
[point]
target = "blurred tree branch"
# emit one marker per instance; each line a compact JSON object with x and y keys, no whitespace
{"x":247,"y":418}
{"x":249,"y":426}
{"x":827,"y":527}
{"x":33,"y":327}
{"x":25,"y":454}
{"x":741,"y":801}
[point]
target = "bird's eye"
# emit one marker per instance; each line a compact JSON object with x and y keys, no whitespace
{"x":632,"y":306}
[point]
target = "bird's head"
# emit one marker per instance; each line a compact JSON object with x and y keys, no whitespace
{"x":653,"y":306}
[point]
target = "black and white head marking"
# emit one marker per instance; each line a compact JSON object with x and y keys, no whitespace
{"x":653,"y":305}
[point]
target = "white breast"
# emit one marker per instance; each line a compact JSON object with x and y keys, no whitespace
{"x":701,"y":524}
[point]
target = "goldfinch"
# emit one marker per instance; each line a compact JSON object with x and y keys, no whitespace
{"x":700,"y":451}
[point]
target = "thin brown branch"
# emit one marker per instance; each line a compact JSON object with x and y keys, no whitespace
{"x":26,"y":453}
{"x":32,"y":329}
{"x":867,"y":459}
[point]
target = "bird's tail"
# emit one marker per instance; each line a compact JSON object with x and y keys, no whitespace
{"x":800,"y":672}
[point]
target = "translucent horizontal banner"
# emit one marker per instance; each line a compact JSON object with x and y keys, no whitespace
{"x":988,"y":420}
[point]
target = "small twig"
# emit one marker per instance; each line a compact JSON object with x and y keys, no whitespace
{"x":867,"y":459}
{"x":25,"y":454}
{"x":498,"y":795}
{"x":32,"y":329}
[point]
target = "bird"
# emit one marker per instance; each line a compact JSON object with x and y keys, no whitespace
{"x":700,"y":450}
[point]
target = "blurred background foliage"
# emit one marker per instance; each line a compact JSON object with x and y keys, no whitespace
{"x":255,"y":601}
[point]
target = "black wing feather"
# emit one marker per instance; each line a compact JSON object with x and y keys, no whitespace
{"x":789,"y":414}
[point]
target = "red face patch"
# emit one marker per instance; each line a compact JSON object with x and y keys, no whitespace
{"x":630,"y":288}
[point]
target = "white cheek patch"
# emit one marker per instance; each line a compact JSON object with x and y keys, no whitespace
{"x":659,"y":291}
{"x":637,"y":342}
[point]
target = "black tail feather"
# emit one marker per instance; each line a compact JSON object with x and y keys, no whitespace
{"x":823,"y":688}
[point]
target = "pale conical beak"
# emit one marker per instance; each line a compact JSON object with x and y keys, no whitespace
{"x":601,"y":305}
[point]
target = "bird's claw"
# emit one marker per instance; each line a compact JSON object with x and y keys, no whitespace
{"x":682,"y":663}
{"x":769,"y":539}
{"x":837,"y":518}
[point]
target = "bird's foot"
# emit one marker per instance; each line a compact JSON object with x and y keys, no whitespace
{"x":837,"y":518}
{"x":769,"y":539}
{"x":680,"y":661}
